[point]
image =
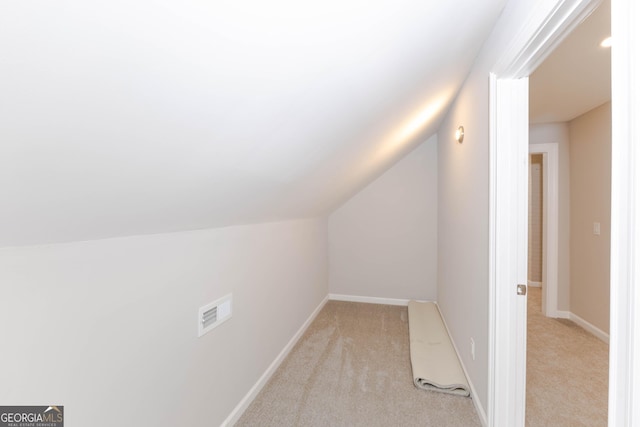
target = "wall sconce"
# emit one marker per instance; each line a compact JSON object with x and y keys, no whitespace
{"x":460,"y":134}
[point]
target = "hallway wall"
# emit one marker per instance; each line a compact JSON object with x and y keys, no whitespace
{"x":590,"y":203}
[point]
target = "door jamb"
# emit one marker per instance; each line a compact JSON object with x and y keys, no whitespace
{"x":550,"y":227}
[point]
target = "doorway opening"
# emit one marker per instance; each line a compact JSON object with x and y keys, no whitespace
{"x":508,"y":160}
{"x":570,"y":110}
{"x":508,"y":224}
{"x":537,"y":220}
{"x":546,"y":187}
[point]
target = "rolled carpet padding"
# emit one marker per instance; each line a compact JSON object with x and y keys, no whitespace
{"x":434,"y":361}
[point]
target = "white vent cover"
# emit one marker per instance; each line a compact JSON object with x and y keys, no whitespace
{"x":213,"y":314}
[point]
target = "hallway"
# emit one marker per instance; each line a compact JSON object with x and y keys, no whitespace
{"x":567,"y":371}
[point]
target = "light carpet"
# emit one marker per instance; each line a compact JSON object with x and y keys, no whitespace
{"x":567,"y":372}
{"x":352,"y":368}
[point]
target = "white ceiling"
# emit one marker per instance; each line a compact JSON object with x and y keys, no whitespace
{"x":576,"y":77}
{"x":121,"y":118}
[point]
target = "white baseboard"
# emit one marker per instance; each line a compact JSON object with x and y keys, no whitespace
{"x":474,"y":395}
{"x":534,"y":284}
{"x":599,"y":333}
{"x":248,"y":398}
{"x":370,"y":300}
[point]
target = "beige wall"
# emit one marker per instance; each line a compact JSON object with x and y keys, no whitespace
{"x":558,"y":133}
{"x":590,"y":136}
{"x":383,"y":241}
{"x":108,"y":328}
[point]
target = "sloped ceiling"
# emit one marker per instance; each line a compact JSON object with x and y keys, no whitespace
{"x":132,"y":117}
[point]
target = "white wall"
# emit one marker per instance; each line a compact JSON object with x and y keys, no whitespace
{"x":108,"y":328}
{"x":463,"y":201}
{"x":558,"y":133}
{"x":591,"y":202}
{"x":463,"y":233}
{"x":383,"y":241}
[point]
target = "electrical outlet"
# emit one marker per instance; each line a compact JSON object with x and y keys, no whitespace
{"x":473,"y":349}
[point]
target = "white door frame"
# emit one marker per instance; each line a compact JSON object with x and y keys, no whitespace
{"x":624,"y":346}
{"x":550,"y":226}
{"x":548,"y":25}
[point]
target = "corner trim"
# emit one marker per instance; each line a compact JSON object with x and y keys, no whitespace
{"x":237,"y":412}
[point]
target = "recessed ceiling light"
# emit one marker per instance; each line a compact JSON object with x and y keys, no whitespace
{"x":606,"y":42}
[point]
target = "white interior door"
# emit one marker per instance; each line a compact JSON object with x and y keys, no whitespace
{"x":507,"y":313}
{"x":509,"y":201}
{"x":509,"y":151}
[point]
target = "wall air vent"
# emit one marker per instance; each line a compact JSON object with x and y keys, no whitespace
{"x":213,"y":314}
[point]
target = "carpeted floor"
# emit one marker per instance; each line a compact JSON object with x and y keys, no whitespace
{"x":352,"y":368}
{"x":567,"y":372}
